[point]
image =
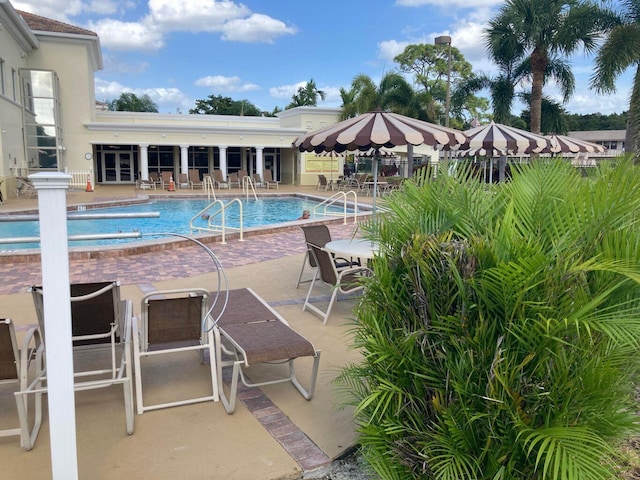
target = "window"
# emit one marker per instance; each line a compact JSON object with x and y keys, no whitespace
{"x":2,"y":81}
{"x":40,"y":93}
{"x":14,"y":84}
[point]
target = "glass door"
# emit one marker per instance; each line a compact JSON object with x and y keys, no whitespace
{"x":117,"y":167}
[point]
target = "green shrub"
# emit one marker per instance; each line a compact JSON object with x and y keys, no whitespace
{"x":500,"y":332}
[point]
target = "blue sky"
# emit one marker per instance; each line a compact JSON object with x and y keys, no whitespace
{"x":178,"y":51}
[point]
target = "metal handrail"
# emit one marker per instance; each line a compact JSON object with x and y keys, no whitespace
{"x":247,"y":183}
{"x":335,"y":198}
{"x":208,"y":187}
{"x":211,"y":217}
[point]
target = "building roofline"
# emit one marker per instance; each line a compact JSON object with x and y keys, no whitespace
{"x":17,"y":27}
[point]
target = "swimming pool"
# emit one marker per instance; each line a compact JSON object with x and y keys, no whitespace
{"x":175,"y":215}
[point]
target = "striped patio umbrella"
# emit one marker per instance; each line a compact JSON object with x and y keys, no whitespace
{"x":504,"y":140}
{"x":566,"y":144}
{"x":378,"y":129}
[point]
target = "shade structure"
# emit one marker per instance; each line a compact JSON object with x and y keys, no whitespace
{"x":375,"y":130}
{"x":504,"y":140}
{"x":566,"y":144}
{"x":381,"y":152}
{"x":378,"y":129}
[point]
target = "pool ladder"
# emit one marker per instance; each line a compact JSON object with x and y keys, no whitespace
{"x":332,"y":200}
{"x":212,"y":215}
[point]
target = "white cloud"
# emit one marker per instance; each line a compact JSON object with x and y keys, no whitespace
{"x":285,"y":91}
{"x":256,"y":28}
{"x":57,"y":9}
{"x":194,"y":15}
{"x":164,"y":97}
{"x":389,"y":49}
{"x":118,"y":35}
{"x":452,"y":4}
{"x":226,"y":84}
{"x":108,"y":7}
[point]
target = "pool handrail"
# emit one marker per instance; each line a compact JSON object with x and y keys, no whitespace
{"x":222,"y":228}
{"x":335,"y":198}
{"x":247,"y":184}
{"x":207,"y":184}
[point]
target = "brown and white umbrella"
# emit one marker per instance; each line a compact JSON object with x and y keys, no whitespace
{"x":566,"y":144}
{"x":378,"y":129}
{"x":504,"y":140}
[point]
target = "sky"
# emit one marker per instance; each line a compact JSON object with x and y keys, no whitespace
{"x":179,"y":51}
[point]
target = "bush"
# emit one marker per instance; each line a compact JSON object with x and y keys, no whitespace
{"x":500,"y":332}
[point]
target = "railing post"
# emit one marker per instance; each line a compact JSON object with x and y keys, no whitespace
{"x":52,"y":208}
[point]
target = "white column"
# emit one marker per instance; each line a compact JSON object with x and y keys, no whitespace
{"x":144,"y":161}
{"x":184,"y":158}
{"x":259,"y":162}
{"x":223,"y":160}
{"x":52,"y":207}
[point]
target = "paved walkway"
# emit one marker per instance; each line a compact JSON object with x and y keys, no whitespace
{"x":169,"y":264}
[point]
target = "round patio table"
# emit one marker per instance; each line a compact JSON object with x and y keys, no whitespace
{"x":352,"y":248}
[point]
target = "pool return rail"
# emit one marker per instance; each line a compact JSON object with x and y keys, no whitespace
{"x":323,"y":206}
{"x":248,"y":186}
{"x":216,"y":212}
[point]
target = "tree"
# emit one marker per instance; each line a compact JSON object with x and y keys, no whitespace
{"x":498,"y":334}
{"x":130,"y":102}
{"x":620,"y":51}
{"x":307,"y":96}
{"x":430,"y":64}
{"x":394,"y":94}
{"x":219,"y":105}
{"x":543,"y":31}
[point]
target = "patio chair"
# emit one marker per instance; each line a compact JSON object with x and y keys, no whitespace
{"x":319,"y":235}
{"x":155,"y":178}
{"x":268,"y":179}
{"x":1,"y":197}
{"x":173,"y":321}
{"x":322,"y":184}
{"x":219,"y":181}
{"x":257,"y":180}
{"x":100,"y":321}
{"x":24,"y":188}
{"x":14,"y":369}
{"x":345,"y":281}
{"x":165,"y":178}
{"x":251,"y":332}
{"x":194,"y":179}
{"x":145,"y":184}
{"x":183,"y":180}
{"x":234,"y":179}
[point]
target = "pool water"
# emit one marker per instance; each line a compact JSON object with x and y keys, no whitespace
{"x":175,"y":215}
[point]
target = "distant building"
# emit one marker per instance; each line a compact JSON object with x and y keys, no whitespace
{"x":612,"y":139}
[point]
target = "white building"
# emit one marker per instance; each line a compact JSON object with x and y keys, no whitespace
{"x":49,"y":120}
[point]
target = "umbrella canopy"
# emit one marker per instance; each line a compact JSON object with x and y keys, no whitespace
{"x":565,"y":144}
{"x":504,"y":140}
{"x":381,"y":152}
{"x":378,"y":129}
{"x":375,"y":130}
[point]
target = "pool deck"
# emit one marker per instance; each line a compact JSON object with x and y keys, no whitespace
{"x":198,"y":441}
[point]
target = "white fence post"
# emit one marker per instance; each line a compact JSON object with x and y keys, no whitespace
{"x":52,"y":208}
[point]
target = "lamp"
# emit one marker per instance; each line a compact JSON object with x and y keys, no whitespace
{"x":446,"y":40}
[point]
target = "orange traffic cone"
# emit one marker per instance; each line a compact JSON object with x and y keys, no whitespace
{"x":172,"y":186}
{"x":89,"y":187}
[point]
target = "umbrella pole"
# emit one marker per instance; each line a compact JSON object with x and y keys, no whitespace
{"x":376,"y":156}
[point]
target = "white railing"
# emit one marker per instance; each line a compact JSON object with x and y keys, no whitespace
{"x":212,"y":215}
{"x":208,"y":187}
{"x":79,"y":177}
{"x":248,"y":187}
{"x":332,"y":200}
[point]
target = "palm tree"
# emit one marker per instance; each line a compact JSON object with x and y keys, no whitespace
{"x":619,"y":51}
{"x":544,"y":30}
{"x":307,"y":95}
